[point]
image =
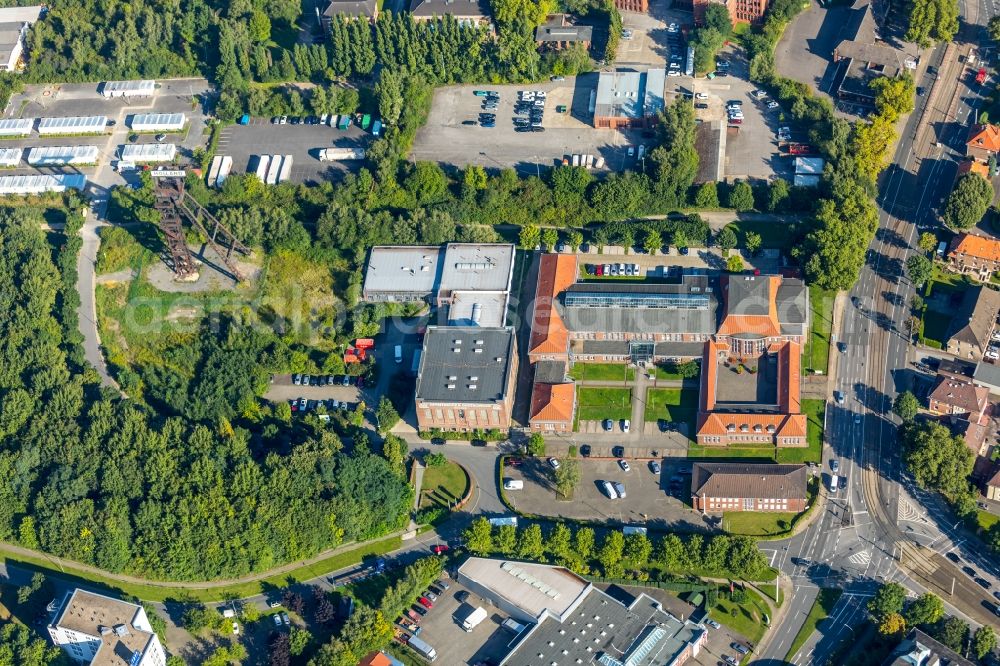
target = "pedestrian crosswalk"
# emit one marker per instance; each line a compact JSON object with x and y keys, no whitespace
{"x":861,"y":558}
{"x":906,"y":510}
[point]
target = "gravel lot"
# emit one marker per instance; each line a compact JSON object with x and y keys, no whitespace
{"x":245,"y":142}
{"x":647,"y":500}
{"x":446,"y":140}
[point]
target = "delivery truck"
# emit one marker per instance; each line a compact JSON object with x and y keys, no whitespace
{"x":341,"y":154}
{"x":423,"y":648}
{"x":473,"y":619}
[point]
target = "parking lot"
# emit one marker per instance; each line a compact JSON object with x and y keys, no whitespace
{"x":185,"y":96}
{"x":444,"y":139}
{"x":647,"y":495}
{"x":441,"y":628}
{"x":283,"y":388}
{"x":245,"y":142}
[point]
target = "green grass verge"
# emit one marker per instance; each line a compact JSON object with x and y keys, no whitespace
{"x":746,"y":618}
{"x":599,"y":403}
{"x":677,"y":405}
{"x":817,"y":352}
{"x":821,"y":609}
{"x":753,"y":453}
{"x":755,"y":523}
{"x":813,"y":452}
{"x":986,"y":520}
{"x":935,"y":328}
{"x":443,"y":485}
{"x":617,"y":372}
{"x":779,"y":235}
{"x":148,"y":592}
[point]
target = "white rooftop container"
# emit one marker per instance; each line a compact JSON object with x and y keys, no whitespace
{"x":213,"y":170}
{"x":73,"y":125}
{"x":273,"y":170}
{"x":263,"y":162}
{"x":128,"y":88}
{"x":10,"y":157}
{"x":59,"y":155}
{"x":149,"y":152}
{"x":158,"y":122}
{"x":286,"y":169}
{"x":16,"y":126}
{"x":224,"y":169}
{"x":38,"y":184}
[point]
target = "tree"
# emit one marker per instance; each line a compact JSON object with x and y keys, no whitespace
{"x":567,"y":477}
{"x":550,"y":238}
{"x":559,"y":541}
{"x":892,"y":624}
{"x":707,"y":196}
{"x":929,"y":241}
{"x":932,"y":21}
{"x":505,"y":540}
{"x":726,"y":239}
{"x":717,"y":18}
{"x":680,"y":240}
{"x":298,"y":640}
{"x":386,"y":415}
{"x":952,"y":632}
{"x":479,"y":537}
{"x":389,"y":91}
{"x":994,"y":28}
{"x":530,"y":237}
{"x":638,"y":549}
{"x":906,"y":406}
{"x":968,"y":202}
{"x":734,"y":264}
{"x":585,"y":542}
{"x":612,"y":549}
{"x":741,"y":194}
{"x":984,"y":640}
{"x":671,"y":552}
{"x":919,"y":269}
{"x":937,"y":459}
{"x":893,"y":96}
{"x":21,"y":646}
{"x":427,"y":183}
{"x":653,"y":242}
{"x":394,"y":450}
{"x":777,"y":195}
{"x":753,"y":242}
{"x":575,"y":239}
{"x":529,"y":543}
{"x":925,"y":610}
{"x":536,"y":445}
{"x":888,"y":600}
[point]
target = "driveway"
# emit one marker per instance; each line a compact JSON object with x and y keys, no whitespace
{"x":647,"y":499}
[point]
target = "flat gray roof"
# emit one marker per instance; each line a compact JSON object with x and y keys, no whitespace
{"x":623,"y":94}
{"x":477,"y":267}
{"x":465,"y":364}
{"x":534,"y":588}
{"x":20,"y":14}
{"x":487,"y":309}
{"x":403,"y":268}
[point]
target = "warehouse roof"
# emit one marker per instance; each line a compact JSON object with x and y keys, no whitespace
{"x":403,"y":268}
{"x":41,"y":183}
{"x":71,"y":124}
{"x":55,"y":153}
{"x":21,"y":14}
{"x":157,"y":119}
{"x":145,"y":86}
{"x":465,"y":364}
{"x":148,"y":152}
{"x":477,"y":308}
{"x":477,"y":267}
{"x":23,"y":124}
{"x":8,"y":155}
{"x":759,"y":480}
{"x":535,"y":589}
{"x":622,"y":94}
{"x":560,"y":28}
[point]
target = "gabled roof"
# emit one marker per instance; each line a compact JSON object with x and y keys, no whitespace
{"x":974,"y":245}
{"x":764,"y":481}
{"x":995,"y":479}
{"x":457,"y":8}
{"x":552,"y":402}
{"x":735,"y":423}
{"x":556,"y":272}
{"x":963,"y":395}
{"x":368,"y":8}
{"x":985,"y":137}
{"x":972,"y":166}
{"x":974,"y":320}
{"x":789,"y":361}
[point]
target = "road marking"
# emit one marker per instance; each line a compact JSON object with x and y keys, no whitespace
{"x":861,"y":558}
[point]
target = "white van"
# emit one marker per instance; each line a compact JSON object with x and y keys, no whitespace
{"x":609,"y":490}
{"x":399,"y":353}
{"x":513,"y":484}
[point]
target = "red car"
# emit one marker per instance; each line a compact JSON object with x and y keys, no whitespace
{"x":425,"y":602}
{"x":439,"y":549}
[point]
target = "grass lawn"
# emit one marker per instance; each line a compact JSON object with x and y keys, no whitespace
{"x":986,"y":520}
{"x":934,"y":328}
{"x":817,"y":352}
{"x":671,"y":404}
{"x":443,"y":485}
{"x":814,"y":410}
{"x":779,"y":235}
{"x":599,"y":403}
{"x":753,"y":453}
{"x":661,"y":372}
{"x":603,"y":372}
{"x":821,"y":609}
{"x":746,"y":618}
{"x":753,"y":523}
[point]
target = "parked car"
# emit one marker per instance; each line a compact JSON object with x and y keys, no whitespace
{"x":712,"y":623}
{"x":609,"y":489}
{"x":585,"y":450}
{"x":654,"y":467}
{"x":953,"y":556}
{"x":236,"y":628}
{"x":835,"y":465}
{"x":608,"y":425}
{"x":701,"y":95}
{"x":426,"y":603}
{"x":618,"y":451}
{"x":554,"y":463}
{"x":624,"y":465}
{"x":462,"y":596}
{"x":277,"y":619}
{"x":619,"y":488}
{"x":626,"y":424}
{"x":284,"y":618}
{"x":772,"y":105}
{"x":442,"y":583}
{"x":440,"y":548}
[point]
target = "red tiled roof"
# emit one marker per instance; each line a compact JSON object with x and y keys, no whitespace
{"x":375,"y":659}
{"x":765,"y":325}
{"x":972,"y":166}
{"x":556,"y":272}
{"x":963,"y":395}
{"x":985,"y":137}
{"x":758,"y":480}
{"x":552,"y":402}
{"x":784,"y":425}
{"x":789,"y":360}
{"x":977,"y":246}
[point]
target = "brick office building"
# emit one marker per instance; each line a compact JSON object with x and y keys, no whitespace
{"x":719,"y":487}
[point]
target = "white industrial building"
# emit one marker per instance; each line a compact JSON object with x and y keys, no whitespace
{"x":95,"y":629}
{"x":73,"y":125}
{"x":62,"y":155}
{"x":14,"y":25}
{"x":158,"y":122}
{"x":148,"y":152}
{"x":39,"y":184}
{"x":128,"y":88}
{"x":10,"y":157}
{"x":16,"y":126}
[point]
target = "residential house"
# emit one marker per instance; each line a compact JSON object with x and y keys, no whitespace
{"x":919,"y":649}
{"x":632,"y":5}
{"x":95,"y":629}
{"x":957,"y":398}
{"x":992,"y":486}
{"x":466,"y":12}
{"x":972,"y":324}
{"x":974,"y":255}
{"x":466,"y":378}
{"x":972,"y":432}
{"x":863,"y":57}
{"x":983,"y":142}
{"x":366,"y":9}
{"x":559,"y":32}
{"x":719,"y":487}
{"x":553,"y":398}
